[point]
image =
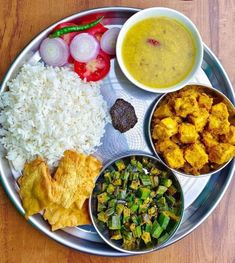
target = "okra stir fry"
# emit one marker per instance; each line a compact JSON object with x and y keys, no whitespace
{"x":138,"y":203}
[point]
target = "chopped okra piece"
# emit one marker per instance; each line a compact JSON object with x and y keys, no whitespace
{"x":170,"y":199}
{"x":107,"y":177}
{"x":120,"y":165}
{"x":119,"y":209}
{"x":103,"y":198}
{"x":161,"y":190}
{"x":121,"y":194}
{"x":116,"y":235}
{"x":146,"y":237}
{"x":117,"y":181}
{"x":110,"y":189}
{"x":163,"y":220}
{"x":114,"y":222}
{"x":156,"y":230}
{"x":112,"y":203}
{"x":143,"y":193}
{"x":166,"y":182}
{"x":135,"y":184}
{"x":103,"y":217}
{"x":172,"y":190}
{"x":146,"y":180}
{"x":110,"y":211}
{"x":155,"y":171}
{"x":100,"y":207}
{"x":134,"y":208}
{"x":137,"y":231}
{"x":148,"y":227}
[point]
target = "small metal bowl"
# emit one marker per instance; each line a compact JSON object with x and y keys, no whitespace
{"x":102,"y":229}
{"x":219,"y":97}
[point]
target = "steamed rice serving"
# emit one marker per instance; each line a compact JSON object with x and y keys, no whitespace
{"x":47,"y":111}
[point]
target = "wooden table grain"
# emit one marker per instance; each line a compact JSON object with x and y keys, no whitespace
{"x":214,"y":240}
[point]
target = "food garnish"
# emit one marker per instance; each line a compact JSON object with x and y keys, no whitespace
{"x":192,"y":131}
{"x":123,"y":115}
{"x":35,"y":187}
{"x":137,"y":202}
{"x":84,"y":47}
{"x":74,"y":28}
{"x":62,"y":197}
{"x":54,"y":52}
{"x":89,"y":51}
{"x":95,"y":69}
{"x":109,"y":39}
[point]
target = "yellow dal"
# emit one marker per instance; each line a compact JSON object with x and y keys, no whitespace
{"x":159,"y":66}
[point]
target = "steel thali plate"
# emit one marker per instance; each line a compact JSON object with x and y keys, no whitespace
{"x":202,"y":195}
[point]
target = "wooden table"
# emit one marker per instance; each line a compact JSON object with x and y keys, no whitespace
{"x":214,"y":240}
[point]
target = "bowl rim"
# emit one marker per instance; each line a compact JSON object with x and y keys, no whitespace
{"x":191,"y":28}
{"x":156,"y":103}
{"x":182,"y":210}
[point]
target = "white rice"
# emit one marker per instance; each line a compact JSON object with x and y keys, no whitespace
{"x":48,"y":110}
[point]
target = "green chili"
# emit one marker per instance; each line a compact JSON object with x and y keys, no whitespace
{"x":69,"y":29}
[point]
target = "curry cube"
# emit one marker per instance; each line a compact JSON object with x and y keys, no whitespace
{"x":229,"y":137}
{"x":166,"y":128}
{"x":209,"y":139}
{"x":187,"y":133}
{"x":196,"y":155}
{"x":163,"y":111}
{"x":185,"y":105}
{"x":174,"y":158}
{"x":218,"y":120}
{"x":199,"y":119}
{"x":204,"y":101}
{"x":221,"y":153}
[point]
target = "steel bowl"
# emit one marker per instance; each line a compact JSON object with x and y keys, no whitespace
{"x":103,"y":231}
{"x":219,"y":97}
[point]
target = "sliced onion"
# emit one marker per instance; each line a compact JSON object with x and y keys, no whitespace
{"x":109,"y":39}
{"x":54,"y":51}
{"x":84,"y":47}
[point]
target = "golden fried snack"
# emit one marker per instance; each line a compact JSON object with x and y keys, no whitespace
{"x":60,"y":217}
{"x":209,"y":139}
{"x":165,"y":129}
{"x":75,"y":175}
{"x":221,"y":153}
{"x":196,"y":155}
{"x":218,"y":120}
{"x":185,"y":105}
{"x":229,"y":137}
{"x":199,"y":119}
{"x":187,"y":133}
{"x":204,"y":101}
{"x":35,"y":187}
{"x":174,"y":157}
{"x":92,"y":169}
{"x":163,"y":111}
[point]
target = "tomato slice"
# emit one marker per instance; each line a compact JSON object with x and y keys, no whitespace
{"x":67,"y":37}
{"x":95,"y":69}
{"x":97,"y":31}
